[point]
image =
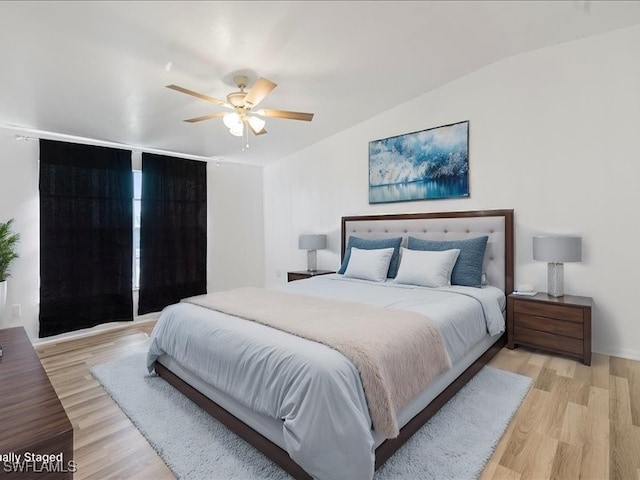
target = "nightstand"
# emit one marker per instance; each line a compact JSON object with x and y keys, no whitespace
{"x":561,"y":325}
{"x":301,"y":275}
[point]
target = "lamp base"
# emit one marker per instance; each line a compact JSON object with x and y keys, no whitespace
{"x":312,"y":260}
{"x":555,"y":279}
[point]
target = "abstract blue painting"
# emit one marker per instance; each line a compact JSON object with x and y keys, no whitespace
{"x":429,"y":164}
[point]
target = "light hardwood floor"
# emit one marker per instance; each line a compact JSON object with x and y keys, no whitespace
{"x":576,"y":421}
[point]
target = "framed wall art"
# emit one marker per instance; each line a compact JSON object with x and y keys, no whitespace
{"x":424,"y":165}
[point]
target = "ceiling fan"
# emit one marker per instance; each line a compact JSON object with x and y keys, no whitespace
{"x":243,"y":104}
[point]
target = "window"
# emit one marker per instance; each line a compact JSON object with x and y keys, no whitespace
{"x":137,"y":210}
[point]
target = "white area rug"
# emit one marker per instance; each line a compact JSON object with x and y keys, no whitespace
{"x":455,"y":444}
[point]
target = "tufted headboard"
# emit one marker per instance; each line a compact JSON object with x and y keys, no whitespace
{"x":496,"y":224}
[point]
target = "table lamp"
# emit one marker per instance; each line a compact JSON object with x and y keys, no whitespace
{"x":311,"y":243}
{"x":555,"y":250}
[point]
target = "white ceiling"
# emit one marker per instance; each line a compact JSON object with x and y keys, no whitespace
{"x":98,"y":69}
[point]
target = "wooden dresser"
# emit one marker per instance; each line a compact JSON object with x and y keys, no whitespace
{"x":32,"y":421}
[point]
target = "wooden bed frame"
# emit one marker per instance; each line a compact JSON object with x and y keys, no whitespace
{"x":389,"y":446}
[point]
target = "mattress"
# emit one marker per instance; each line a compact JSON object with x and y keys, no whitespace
{"x":267,"y":377}
{"x":462,"y":322}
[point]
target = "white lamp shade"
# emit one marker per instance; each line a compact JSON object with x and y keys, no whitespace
{"x":231,"y":120}
{"x":256,"y":123}
{"x":237,"y":130}
{"x":557,"y":248}
{"x":312,"y":242}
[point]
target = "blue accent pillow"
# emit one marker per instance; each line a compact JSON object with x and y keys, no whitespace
{"x":365,"y":244}
{"x":468,"y":268}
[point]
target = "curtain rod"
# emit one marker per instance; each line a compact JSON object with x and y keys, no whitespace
{"x":26,"y":134}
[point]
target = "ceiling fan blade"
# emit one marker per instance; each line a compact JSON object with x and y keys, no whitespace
{"x":258,"y":92}
{"x":201,"y":96}
{"x":206,"y":117}
{"x":307,"y":117}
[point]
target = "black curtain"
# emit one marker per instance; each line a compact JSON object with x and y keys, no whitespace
{"x":86,"y":241}
{"x":173,"y":231}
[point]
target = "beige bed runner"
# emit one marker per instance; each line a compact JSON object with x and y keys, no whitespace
{"x":397,"y":353}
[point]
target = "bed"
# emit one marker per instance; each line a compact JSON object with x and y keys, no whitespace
{"x":247,"y":375}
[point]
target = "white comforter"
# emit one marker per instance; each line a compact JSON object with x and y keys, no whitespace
{"x":314,"y":389}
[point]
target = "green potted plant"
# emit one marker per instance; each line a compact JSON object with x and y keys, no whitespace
{"x":8,"y":242}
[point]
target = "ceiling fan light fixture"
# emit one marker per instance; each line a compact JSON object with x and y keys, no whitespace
{"x":256,"y":123}
{"x":232,"y":120}
{"x":237,"y":130}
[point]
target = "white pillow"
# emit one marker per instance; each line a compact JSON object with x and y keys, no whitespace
{"x":369,"y":264}
{"x":426,"y":268}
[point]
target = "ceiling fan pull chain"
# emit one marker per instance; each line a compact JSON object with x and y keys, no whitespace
{"x":246,"y":134}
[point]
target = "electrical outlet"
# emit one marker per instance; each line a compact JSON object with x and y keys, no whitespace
{"x":16,"y":310}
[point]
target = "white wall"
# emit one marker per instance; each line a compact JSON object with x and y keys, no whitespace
{"x":19,"y":200}
{"x":236,"y":228}
{"x":553,"y":135}
{"x":235,"y":214}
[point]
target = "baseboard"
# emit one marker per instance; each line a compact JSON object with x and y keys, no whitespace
{"x":105,"y":327}
{"x":627,"y":353}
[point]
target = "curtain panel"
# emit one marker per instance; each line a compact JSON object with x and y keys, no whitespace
{"x":86,"y":244}
{"x":173,"y":231}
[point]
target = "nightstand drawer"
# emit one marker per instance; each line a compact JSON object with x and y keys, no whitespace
{"x":569,"y":314}
{"x":548,"y":340}
{"x":544,"y":324}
